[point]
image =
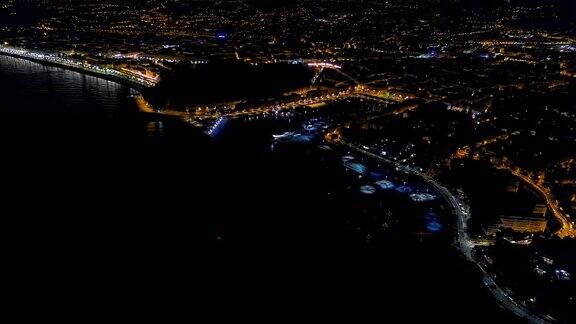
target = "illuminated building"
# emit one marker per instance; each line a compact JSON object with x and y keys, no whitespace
{"x":524,"y":224}
{"x":520,"y":220}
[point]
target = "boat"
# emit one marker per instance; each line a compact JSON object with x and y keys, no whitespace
{"x":283,"y":135}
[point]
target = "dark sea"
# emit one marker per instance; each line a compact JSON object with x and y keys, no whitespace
{"x":115,"y":214}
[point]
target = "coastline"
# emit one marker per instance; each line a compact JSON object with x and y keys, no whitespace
{"x":132,"y":84}
{"x":141,"y":103}
{"x":462,"y":240}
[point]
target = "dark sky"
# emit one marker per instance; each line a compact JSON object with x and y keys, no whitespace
{"x":566,"y":5}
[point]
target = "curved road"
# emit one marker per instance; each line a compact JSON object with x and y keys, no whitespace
{"x":567,"y":228}
{"x":465,"y":244}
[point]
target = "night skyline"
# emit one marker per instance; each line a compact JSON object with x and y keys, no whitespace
{"x":411,"y":159}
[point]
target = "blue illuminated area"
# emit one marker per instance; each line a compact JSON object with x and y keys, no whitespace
{"x":385,"y":184}
{"x":356,"y":167}
{"x":562,"y":274}
{"x":314,"y":125}
{"x":404,"y":189}
{"x":367,"y":190}
{"x":432,"y":222}
{"x":293,"y":137}
{"x":283,"y":135}
{"x":217,"y":127}
{"x":567,"y":48}
{"x":431,"y":54}
{"x":347,"y":158}
{"x":422,"y":197}
{"x":221,"y":35}
{"x":302,"y":138}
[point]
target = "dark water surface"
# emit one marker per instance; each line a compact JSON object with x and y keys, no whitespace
{"x":123,"y":211}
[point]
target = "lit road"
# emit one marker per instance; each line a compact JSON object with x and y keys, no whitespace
{"x":292,"y":104}
{"x":567,"y":228}
{"x":465,"y":243}
{"x":131,"y":76}
{"x":352,"y":92}
{"x":213,"y":113}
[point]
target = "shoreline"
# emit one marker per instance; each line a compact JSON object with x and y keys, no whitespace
{"x":133,"y":85}
{"x":463,"y":242}
{"x":142,"y":104}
